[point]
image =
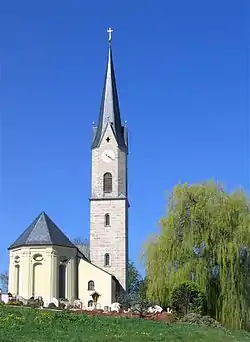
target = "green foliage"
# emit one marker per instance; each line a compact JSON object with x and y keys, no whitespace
{"x":205,"y":237}
{"x":14,"y":302}
{"x":136,"y":302}
{"x":26,"y":325}
{"x":143,"y":288}
{"x":204,"y":321}
{"x":187,"y":297}
{"x":134,"y":278}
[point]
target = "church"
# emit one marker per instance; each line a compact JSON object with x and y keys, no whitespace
{"x":44,"y":262}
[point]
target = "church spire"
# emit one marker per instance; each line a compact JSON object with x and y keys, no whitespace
{"x":109,"y":111}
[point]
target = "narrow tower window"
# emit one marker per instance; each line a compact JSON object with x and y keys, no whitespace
{"x":106,"y":259}
{"x":107,"y":182}
{"x":107,"y":220}
{"x":91,"y":285}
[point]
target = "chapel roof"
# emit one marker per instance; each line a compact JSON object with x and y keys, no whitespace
{"x":42,"y":231}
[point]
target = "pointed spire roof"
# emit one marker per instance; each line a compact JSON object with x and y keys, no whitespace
{"x":109,"y":111}
{"x":42,"y":231}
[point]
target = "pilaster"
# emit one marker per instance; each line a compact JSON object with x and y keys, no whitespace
{"x":24,"y":275}
{"x":54,"y":283}
{"x":11,"y":275}
{"x":71,"y":273}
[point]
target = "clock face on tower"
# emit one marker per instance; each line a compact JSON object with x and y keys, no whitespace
{"x":108,"y":156}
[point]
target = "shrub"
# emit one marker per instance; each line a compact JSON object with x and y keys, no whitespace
{"x":165,"y":317}
{"x":247,"y":326}
{"x":136,"y":302}
{"x":197,"y":319}
{"x":187,"y":297}
{"x":14,"y":302}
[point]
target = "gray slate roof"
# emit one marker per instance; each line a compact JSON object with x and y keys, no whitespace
{"x":109,"y":111}
{"x":42,"y":231}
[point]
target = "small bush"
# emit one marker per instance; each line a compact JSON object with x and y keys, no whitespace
{"x":187,"y":297}
{"x":165,"y":317}
{"x":197,"y":319}
{"x":15,"y":302}
{"x":247,"y":326}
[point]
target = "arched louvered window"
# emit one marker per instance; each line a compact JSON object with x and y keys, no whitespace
{"x":107,"y":220}
{"x":91,"y":285}
{"x":107,"y":182}
{"x":107,"y":259}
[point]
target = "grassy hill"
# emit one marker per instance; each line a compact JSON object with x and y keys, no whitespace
{"x":19,"y":324}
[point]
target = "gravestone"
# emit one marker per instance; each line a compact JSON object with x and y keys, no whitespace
{"x":106,"y":309}
{"x":55,"y":301}
{"x":21,"y":299}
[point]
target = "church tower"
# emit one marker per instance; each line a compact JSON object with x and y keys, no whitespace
{"x":109,"y":198}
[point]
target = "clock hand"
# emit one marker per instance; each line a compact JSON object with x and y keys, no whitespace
{"x":108,"y":156}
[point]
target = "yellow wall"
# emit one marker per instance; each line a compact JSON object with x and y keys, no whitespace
{"x":39,"y":270}
{"x":34,"y":271}
{"x":102,"y":280}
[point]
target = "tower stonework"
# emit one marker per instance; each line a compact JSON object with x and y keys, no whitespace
{"x":109,"y":201}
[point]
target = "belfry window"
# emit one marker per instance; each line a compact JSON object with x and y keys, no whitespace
{"x":107,"y":259}
{"x":107,"y":220}
{"x":107,"y":182}
{"x":91,"y":285}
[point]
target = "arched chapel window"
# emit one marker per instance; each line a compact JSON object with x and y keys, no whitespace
{"x":107,"y":220}
{"x":107,"y":182}
{"x":107,"y":259}
{"x":91,"y":285}
{"x":62,"y":281}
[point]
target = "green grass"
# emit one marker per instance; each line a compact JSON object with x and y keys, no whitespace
{"x":19,"y":324}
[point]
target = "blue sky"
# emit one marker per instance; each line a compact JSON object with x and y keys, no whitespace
{"x":182,"y":74}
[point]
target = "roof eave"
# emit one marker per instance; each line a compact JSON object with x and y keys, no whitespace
{"x":39,"y":245}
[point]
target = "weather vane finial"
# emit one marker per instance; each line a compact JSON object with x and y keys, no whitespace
{"x":110,"y":34}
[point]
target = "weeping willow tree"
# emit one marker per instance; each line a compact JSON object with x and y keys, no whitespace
{"x":205,"y":237}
